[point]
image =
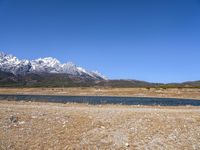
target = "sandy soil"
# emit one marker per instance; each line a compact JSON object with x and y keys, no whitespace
{"x":31,"y":125}
{"x":190,"y":93}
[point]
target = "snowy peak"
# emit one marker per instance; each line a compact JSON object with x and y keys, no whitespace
{"x":12,"y":64}
{"x":48,"y":64}
{"x":9,"y":63}
{"x":48,"y":61}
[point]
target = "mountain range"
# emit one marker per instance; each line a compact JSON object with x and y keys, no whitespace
{"x":49,"y":72}
{"x":11,"y":64}
{"x":44,"y":71}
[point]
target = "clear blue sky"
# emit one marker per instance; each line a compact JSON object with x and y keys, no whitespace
{"x":152,"y":40}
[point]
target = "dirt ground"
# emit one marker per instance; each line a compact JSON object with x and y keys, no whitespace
{"x":31,"y":125}
{"x":190,"y":93}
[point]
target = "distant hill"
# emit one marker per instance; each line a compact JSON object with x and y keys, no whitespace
{"x":67,"y":80}
{"x":193,"y":84}
{"x":63,"y":80}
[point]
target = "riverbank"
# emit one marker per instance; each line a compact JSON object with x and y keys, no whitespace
{"x":186,"y":93}
{"x":31,"y":125}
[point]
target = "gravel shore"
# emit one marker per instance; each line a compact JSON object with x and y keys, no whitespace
{"x":31,"y":125}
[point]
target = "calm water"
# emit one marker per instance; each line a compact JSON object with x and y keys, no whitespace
{"x":103,"y":100}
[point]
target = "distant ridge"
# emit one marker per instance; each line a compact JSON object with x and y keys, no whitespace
{"x":49,"y":72}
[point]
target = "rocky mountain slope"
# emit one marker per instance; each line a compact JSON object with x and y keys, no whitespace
{"x":44,"y":72}
{"x":48,"y":65}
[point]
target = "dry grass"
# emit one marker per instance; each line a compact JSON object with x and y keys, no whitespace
{"x":80,"y":126}
{"x":191,"y":93}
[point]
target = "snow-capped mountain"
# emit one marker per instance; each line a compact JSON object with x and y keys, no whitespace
{"x":12,"y":64}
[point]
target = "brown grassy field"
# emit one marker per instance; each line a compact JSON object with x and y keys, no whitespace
{"x":31,"y":125}
{"x":190,"y":93}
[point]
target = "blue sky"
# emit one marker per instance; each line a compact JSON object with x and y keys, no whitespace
{"x":152,"y":40}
